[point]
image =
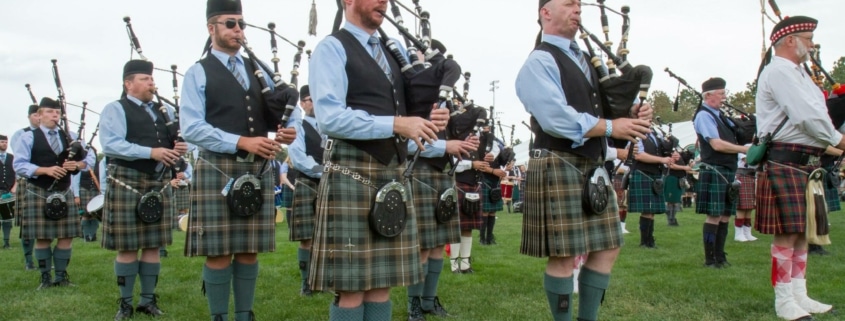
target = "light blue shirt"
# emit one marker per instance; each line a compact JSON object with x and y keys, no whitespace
{"x":654,"y":137}
{"x":17,"y":135}
{"x":103,"y":176}
{"x":705,"y":124}
{"x":301,"y":161}
{"x":539,"y":88}
{"x":329,"y":84}
{"x":23,"y":152}
{"x":113,"y":131}
{"x":74,"y":183}
{"x":195,"y":129}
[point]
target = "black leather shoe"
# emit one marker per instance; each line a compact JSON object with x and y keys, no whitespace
{"x":150,"y":308}
{"x":218,"y":317}
{"x":6,"y":246}
{"x":305,"y":292}
{"x":438,"y":309}
{"x":46,"y":281}
{"x":65,"y":280}
{"x":124,"y":311}
{"x":415,"y":311}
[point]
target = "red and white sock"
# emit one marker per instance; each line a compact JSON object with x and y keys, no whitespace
{"x":782,"y":264}
{"x":799,"y":264}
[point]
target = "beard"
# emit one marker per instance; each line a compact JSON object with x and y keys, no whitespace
{"x":225,"y":43}
{"x":802,"y":51}
{"x":367,"y":18}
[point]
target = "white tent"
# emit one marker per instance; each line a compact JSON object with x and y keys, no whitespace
{"x":684,"y":131}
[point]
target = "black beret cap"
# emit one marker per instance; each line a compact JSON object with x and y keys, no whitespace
{"x":32,"y":109}
{"x":304,"y":91}
{"x":218,"y":7}
{"x":713,"y":84}
{"x":3,"y":137}
{"x":137,"y":66}
{"x":543,"y":3}
{"x":791,"y":25}
{"x":47,"y":102}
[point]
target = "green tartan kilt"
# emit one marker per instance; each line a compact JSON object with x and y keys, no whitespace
{"x":20,"y":198}
{"x":287,"y":196}
{"x":831,"y":193}
{"x":711,"y":191}
{"x":346,"y":255}
{"x":182,"y":198}
{"x":301,"y":219}
{"x":672,"y":189}
{"x":35,"y":226}
{"x":515,"y":196}
{"x":427,"y":186}
{"x":212,"y":229}
{"x":553,"y":221}
{"x":122,"y":230}
{"x":641,"y":195}
{"x":488,"y":206}
{"x":85,"y":196}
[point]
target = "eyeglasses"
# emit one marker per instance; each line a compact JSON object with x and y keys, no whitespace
{"x":307,"y":100}
{"x":230,"y":23}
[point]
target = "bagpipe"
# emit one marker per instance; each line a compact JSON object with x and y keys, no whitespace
{"x":75,"y":151}
{"x":746,"y":124}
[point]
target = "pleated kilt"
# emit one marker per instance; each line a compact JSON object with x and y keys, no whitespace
{"x":488,"y":206}
{"x":621,"y":193}
{"x":553,"y":221}
{"x":781,"y":188}
{"x":672,"y":189}
{"x":35,"y":226}
{"x":468,"y":221}
{"x":747,"y":189}
{"x":516,"y":197}
{"x":212,"y":229}
{"x":711,"y":191}
{"x":85,"y":196}
{"x":831,"y":193}
{"x":427,"y":186}
{"x":122,"y":230}
{"x":287,"y":196}
{"x":20,"y":199}
{"x":301,"y":219}
{"x":641,"y":195}
{"x":346,"y":254}
{"x":182,"y":197}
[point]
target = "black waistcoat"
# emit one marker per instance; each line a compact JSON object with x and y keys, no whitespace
{"x":369,"y":90}
{"x":44,"y":156}
{"x":710,"y":155}
{"x":143,"y":131}
{"x":653,"y":149}
{"x":85,"y":180}
{"x":584,"y":96}
{"x":229,"y":107}
{"x":7,"y":180}
{"x":312,"y":142}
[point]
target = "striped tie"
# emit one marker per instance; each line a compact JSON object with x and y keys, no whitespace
{"x":54,"y":142}
{"x":379,"y":56}
{"x":233,"y":63}
{"x":582,"y":62}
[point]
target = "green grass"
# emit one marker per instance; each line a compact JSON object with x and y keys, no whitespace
{"x":668,"y":283}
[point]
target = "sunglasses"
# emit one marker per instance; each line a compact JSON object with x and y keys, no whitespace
{"x":230,"y":23}
{"x":307,"y":100}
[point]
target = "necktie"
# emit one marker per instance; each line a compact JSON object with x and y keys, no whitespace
{"x":379,"y":56}
{"x":3,"y":158}
{"x":233,"y":63}
{"x":54,"y":142}
{"x":149,"y":107}
{"x":582,"y":62}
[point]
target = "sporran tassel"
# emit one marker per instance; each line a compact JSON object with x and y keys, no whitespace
{"x":312,"y":20}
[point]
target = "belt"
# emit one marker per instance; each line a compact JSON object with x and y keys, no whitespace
{"x":802,"y":159}
{"x":240,"y":153}
{"x":746,"y":171}
{"x":541,"y":153}
{"x":828,"y":160}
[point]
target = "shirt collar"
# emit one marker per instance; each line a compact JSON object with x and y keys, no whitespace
{"x":558,"y":41}
{"x":137,"y":101}
{"x":47,"y":130}
{"x":717,"y":111}
{"x":360,"y":34}
{"x":224,"y":57}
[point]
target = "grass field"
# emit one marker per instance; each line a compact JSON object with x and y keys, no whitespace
{"x":668,"y":283}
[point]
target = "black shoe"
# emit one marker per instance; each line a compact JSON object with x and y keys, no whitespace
{"x":468,"y":271}
{"x":124,"y":311}
{"x":818,"y":250}
{"x":87,"y":238}
{"x":150,"y":308}
{"x":46,"y":281}
{"x":218,"y":317}
{"x":29,"y":266}
{"x":162,"y":253}
{"x":6,"y":246}
{"x":438,"y":309}
{"x":64,"y":281}
{"x":415,"y":312}
{"x":491,"y":240}
{"x":221,"y":318}
{"x":305,"y":292}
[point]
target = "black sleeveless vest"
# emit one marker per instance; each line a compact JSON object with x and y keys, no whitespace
{"x":370,"y":91}
{"x":143,"y":131}
{"x":44,"y":156}
{"x":710,"y":155}
{"x":85,"y":180}
{"x":8,"y":172}
{"x":584,"y":96}
{"x":651,"y":148}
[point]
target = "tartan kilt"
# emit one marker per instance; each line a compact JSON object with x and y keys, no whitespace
{"x":747,"y":190}
{"x":488,"y":206}
{"x":85,"y":196}
{"x":468,"y":221}
{"x":781,"y":203}
{"x":301,"y":219}
{"x":20,"y":198}
{"x":516,"y":193}
{"x":641,"y":195}
{"x":711,"y":191}
{"x":287,"y":196}
{"x":212,"y":230}
{"x":122,"y":230}
{"x":182,"y":198}
{"x":427,"y":185}
{"x":831,"y":194}
{"x":346,"y":255}
{"x":35,"y":226}
{"x":553,"y":220}
{"x":672,"y":190}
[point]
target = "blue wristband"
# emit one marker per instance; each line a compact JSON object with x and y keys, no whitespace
{"x":608,"y":127}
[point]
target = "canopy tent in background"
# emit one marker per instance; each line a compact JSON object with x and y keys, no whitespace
{"x":684,"y":131}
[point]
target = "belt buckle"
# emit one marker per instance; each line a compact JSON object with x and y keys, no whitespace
{"x":813,"y":160}
{"x":329,"y":144}
{"x":537,"y":153}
